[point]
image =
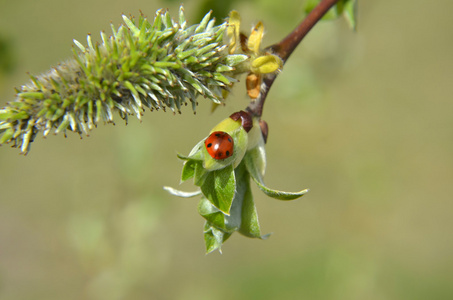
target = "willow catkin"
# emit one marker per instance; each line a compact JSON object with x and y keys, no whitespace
{"x":158,"y":65}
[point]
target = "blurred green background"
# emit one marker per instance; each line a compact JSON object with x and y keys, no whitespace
{"x":362,"y":119}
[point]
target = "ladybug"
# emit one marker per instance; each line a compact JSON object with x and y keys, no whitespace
{"x":219,"y":145}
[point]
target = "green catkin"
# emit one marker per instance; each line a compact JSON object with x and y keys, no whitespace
{"x":158,"y":65}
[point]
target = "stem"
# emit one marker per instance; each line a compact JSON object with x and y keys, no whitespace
{"x":284,"y":49}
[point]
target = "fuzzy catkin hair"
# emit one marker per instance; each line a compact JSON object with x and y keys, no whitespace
{"x":159,"y":65}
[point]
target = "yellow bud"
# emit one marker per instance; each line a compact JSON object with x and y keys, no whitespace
{"x":254,"y":40}
{"x":234,"y":25}
{"x":268,"y":63}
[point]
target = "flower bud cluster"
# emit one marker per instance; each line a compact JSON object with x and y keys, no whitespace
{"x":156,"y":65}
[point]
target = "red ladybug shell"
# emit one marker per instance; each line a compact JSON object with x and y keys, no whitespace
{"x":219,"y":145}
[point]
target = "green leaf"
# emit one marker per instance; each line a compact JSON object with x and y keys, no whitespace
{"x":280,"y":195}
{"x":350,"y":13}
{"x":195,"y":154}
{"x":256,"y":160}
{"x":252,"y":161}
{"x":243,"y":216}
{"x":211,"y":214}
{"x":249,"y":217}
{"x":188,"y":170}
{"x":219,"y":187}
{"x":181,"y":194}
{"x":243,"y":206}
{"x":214,"y":238}
{"x":200,"y":174}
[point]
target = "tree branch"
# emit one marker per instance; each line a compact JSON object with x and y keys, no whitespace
{"x":284,"y":49}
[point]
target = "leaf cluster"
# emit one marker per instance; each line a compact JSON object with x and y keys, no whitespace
{"x":227,"y":202}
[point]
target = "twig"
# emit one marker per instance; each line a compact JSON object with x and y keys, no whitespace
{"x":284,"y":49}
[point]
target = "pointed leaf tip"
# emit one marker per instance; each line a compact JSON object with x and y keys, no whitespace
{"x":280,"y":195}
{"x":181,"y":194}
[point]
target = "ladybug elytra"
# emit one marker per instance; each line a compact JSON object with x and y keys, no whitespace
{"x":219,"y":145}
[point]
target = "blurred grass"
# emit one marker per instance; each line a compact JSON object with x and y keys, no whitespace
{"x":363,"y":119}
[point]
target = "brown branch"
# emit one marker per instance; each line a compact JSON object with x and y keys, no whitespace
{"x":284,"y":49}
